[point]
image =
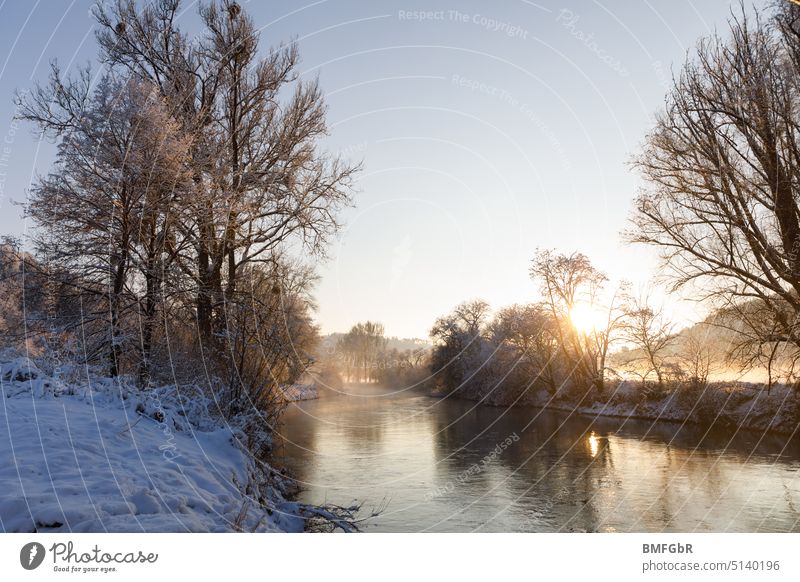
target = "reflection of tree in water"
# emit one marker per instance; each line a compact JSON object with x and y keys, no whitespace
{"x":353,"y":424}
{"x":687,"y":478}
{"x":437,"y":461}
{"x":576,"y":473}
{"x":547,"y":475}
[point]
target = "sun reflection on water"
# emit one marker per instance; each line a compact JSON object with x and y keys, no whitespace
{"x":594,"y":444}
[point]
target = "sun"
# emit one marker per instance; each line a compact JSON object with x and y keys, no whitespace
{"x":586,"y":318}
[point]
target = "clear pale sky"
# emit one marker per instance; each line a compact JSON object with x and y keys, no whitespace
{"x":487,"y":129}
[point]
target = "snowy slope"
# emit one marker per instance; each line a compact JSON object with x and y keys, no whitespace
{"x":96,"y":458}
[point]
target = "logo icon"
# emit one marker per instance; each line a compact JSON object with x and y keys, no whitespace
{"x":31,"y":555}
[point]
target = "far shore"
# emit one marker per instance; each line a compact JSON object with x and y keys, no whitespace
{"x":735,"y":405}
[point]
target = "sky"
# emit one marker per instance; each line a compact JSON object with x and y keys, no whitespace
{"x":486,"y":130}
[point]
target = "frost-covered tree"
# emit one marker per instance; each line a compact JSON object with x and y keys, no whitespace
{"x":271,"y":334}
{"x":360,"y":349}
{"x":182,"y":180}
{"x":460,"y":348}
{"x":106,"y":211}
{"x":258,"y":176}
{"x":530,"y":331}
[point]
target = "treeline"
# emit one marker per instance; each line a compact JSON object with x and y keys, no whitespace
{"x":588,"y":342}
{"x":530,"y":347}
{"x":182,"y":176}
{"x":721,"y":204}
{"x":364,"y":354}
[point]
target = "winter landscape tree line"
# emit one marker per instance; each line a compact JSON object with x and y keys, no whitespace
{"x":162,"y":269}
{"x":182,"y":175}
{"x":188,"y":174}
{"x":719,"y":203}
{"x":365,"y":354}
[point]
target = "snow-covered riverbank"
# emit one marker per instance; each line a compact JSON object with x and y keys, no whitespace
{"x":738,"y":405}
{"x":102,"y":456}
{"x":298,"y":392}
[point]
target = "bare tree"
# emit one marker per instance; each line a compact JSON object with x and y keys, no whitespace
{"x":532,"y":332}
{"x":259,"y":178}
{"x":697,"y":356}
{"x":458,"y":345}
{"x":104,"y":212}
{"x":234,"y":176}
{"x":723,"y":169}
{"x":21,"y":295}
{"x":271,"y":335}
{"x":649,"y":331}
{"x":567,"y":282}
{"x":754,"y":347}
{"x":361,"y":347}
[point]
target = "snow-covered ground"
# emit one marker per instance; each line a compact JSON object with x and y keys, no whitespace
{"x":297,"y":392}
{"x":101,"y":456}
{"x":735,"y":404}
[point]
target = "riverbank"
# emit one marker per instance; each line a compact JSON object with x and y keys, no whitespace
{"x":300,"y":391}
{"x":736,"y":405}
{"x":99,"y":455}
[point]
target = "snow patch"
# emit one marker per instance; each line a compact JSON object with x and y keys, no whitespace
{"x":297,"y":392}
{"x":104,"y":456}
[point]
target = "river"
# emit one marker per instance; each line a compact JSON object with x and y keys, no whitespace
{"x":443,"y":464}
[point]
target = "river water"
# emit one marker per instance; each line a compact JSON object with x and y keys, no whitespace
{"x":451,"y":465}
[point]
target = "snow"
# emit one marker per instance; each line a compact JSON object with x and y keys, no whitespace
{"x":297,"y":392}
{"x":98,"y":457}
{"x":736,"y":404}
{"x":23,"y":375}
